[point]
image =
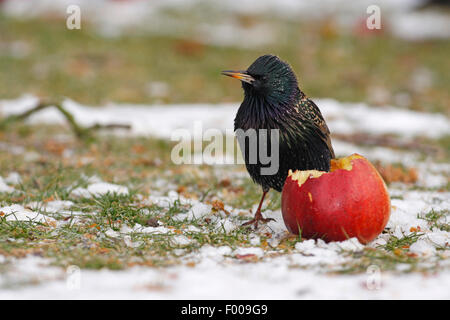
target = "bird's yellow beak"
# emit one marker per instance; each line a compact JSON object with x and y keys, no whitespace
{"x":241,"y":75}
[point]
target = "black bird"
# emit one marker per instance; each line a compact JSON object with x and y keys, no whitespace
{"x":273,"y":100}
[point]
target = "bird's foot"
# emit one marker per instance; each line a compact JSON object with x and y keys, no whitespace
{"x":258,"y":218}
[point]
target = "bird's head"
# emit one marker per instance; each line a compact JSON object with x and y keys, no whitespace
{"x":268,"y":78}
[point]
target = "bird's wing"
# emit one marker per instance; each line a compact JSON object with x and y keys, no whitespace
{"x":311,"y":112}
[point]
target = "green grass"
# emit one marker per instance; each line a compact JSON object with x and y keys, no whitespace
{"x":396,"y":243}
{"x":384,"y":260}
{"x":434,"y":219}
{"x":81,"y":240}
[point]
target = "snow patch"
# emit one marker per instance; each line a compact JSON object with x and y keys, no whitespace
{"x":16,"y":212}
{"x":4,"y":187}
{"x":13,"y":178}
{"x":99,"y":188}
{"x":162,"y":120}
{"x":423,"y":248}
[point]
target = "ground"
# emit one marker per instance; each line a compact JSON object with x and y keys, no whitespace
{"x":109,"y":215}
{"x":119,"y":203}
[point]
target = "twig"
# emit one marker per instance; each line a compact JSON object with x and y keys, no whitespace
{"x":80,"y":132}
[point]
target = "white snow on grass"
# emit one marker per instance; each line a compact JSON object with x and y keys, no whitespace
{"x":181,"y":240}
{"x":406,"y":212}
{"x":4,"y":187}
{"x":151,"y":230}
{"x":198,"y":211}
{"x":423,"y":248}
{"x":217,"y":278}
{"x":343,"y":118}
{"x":13,"y":178}
{"x":99,"y":188}
{"x":376,"y":153}
{"x":55,"y":206}
{"x":247,"y":272}
{"x":17,"y":212}
{"x":243,"y":272}
{"x":137,"y":228}
{"x":359,"y":117}
{"x":162,"y":120}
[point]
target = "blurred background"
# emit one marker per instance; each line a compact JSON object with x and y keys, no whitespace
{"x":172,"y":51}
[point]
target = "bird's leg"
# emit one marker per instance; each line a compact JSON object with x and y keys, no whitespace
{"x":258,"y":216}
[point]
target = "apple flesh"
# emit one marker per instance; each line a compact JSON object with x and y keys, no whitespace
{"x":349,"y":201}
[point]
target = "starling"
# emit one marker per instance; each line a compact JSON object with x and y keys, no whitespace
{"x":273,"y":100}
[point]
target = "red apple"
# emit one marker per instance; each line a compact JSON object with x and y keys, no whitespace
{"x":349,"y":201}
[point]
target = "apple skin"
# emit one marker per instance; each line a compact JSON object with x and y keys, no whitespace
{"x":338,"y":205}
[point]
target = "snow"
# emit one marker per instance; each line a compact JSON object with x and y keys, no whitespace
{"x":255,"y":240}
{"x":181,"y":240}
{"x":439,"y":238}
{"x":422,"y":247}
{"x":99,"y":188}
{"x":114,"y":18}
{"x":305,"y":246}
{"x":162,"y":120}
{"x":217,"y":279}
{"x":55,"y":206}
{"x":359,"y":117}
{"x":226,"y":225}
{"x":199,"y":211}
{"x":214,"y":253}
{"x":242,"y":272}
{"x":13,"y":178}
{"x":216,"y":23}
{"x":352,"y":245}
{"x":111,"y":233}
{"x":126,"y":231}
{"x":343,"y":118}
{"x":405,"y":212}
{"x":314,"y":253}
{"x":245,"y":272}
{"x":17,"y":212}
{"x":421,"y":25}
{"x":4,"y":187}
{"x":226,"y":273}
{"x":130,"y":243}
{"x":248,"y":251}
{"x":152,"y":230}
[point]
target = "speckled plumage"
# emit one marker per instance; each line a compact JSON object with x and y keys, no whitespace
{"x":274,"y":101}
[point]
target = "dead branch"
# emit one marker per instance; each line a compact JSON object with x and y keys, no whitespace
{"x":80,"y":132}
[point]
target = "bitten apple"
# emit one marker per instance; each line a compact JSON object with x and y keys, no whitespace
{"x":349,"y":201}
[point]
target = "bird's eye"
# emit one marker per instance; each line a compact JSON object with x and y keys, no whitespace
{"x":261,"y":78}
{"x":264,"y":79}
